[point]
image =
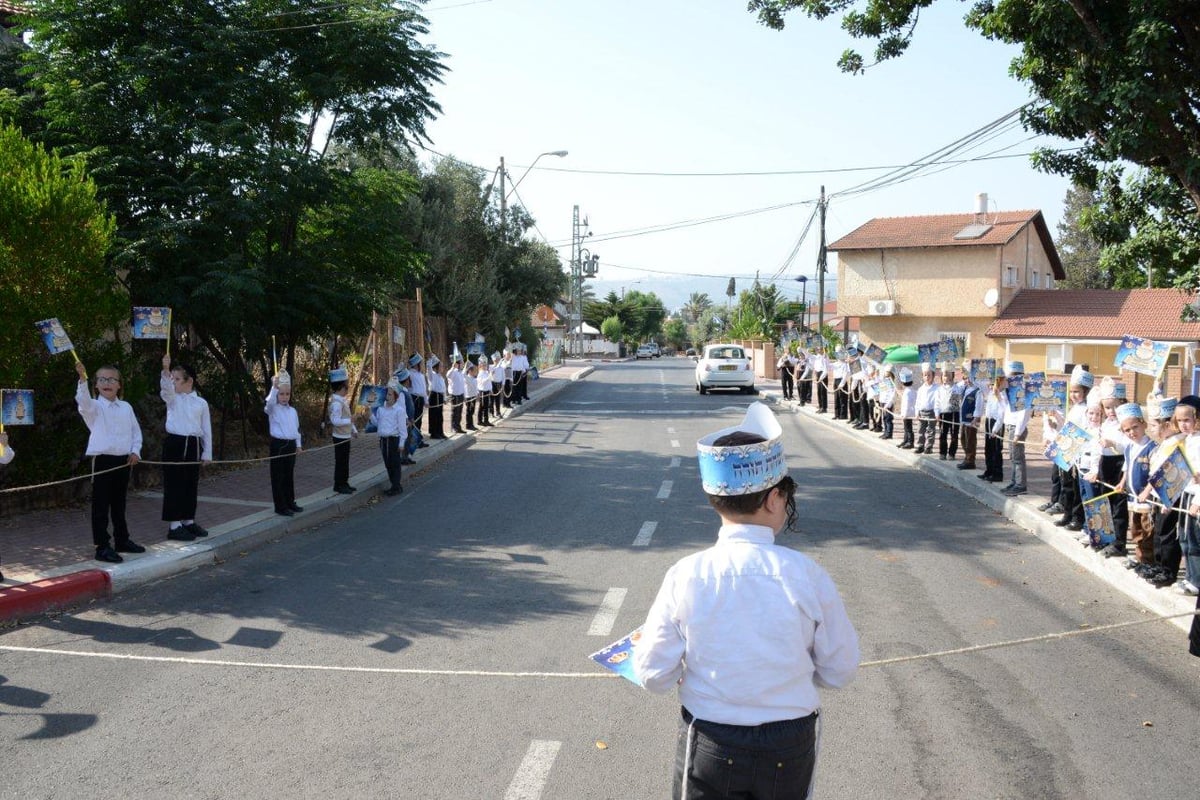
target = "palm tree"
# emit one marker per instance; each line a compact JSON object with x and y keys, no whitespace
{"x":696,"y":305}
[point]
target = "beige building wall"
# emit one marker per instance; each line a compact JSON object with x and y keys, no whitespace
{"x":1024,"y":264}
{"x":923,"y":282}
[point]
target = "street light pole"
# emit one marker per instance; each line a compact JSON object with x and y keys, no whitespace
{"x":504,"y":193}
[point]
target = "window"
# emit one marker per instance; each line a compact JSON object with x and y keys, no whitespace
{"x":1033,"y":279}
{"x":1049,"y":281}
{"x":1059,"y":358}
{"x":1010,"y":276}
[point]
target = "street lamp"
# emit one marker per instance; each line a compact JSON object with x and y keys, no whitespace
{"x":803,"y":281}
{"x":559,"y":153}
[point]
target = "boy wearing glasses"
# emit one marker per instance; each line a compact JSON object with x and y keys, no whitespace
{"x":747,"y":629}
{"x":114,"y":446}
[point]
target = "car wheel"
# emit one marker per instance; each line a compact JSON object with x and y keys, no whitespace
{"x":700,"y":387}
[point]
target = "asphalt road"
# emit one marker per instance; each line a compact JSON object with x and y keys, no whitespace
{"x":478,"y":594}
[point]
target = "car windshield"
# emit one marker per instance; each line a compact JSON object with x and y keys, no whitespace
{"x":726,"y":352}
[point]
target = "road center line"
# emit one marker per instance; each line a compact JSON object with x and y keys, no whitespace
{"x":670,"y":430}
{"x":665,"y":491}
{"x":643,"y":537}
{"x":531,"y":776}
{"x":606,"y":617}
{"x":675,"y":461}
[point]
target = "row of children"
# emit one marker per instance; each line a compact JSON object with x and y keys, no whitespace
{"x":1126,"y":445}
{"x":115,"y":438}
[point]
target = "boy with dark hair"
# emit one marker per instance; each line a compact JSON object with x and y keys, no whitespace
{"x":747,"y":629}
{"x":188,"y":443}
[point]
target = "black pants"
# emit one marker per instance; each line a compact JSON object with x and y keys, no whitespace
{"x":181,"y":481}
{"x":471,"y":402}
{"x":908,"y":432}
{"x":804,"y":389}
{"x":1194,"y":633}
{"x":1167,"y":553}
{"x":456,"y":412}
{"x":485,"y":406}
{"x":864,"y":409}
{"x":772,"y":761}
{"x":1055,"y":485}
{"x":948,"y":436}
{"x":392,"y":452}
{"x":437,"y":422}
{"x":841,"y":400}
{"x":885,"y":422}
{"x":497,"y":396}
{"x":506,"y":393}
{"x":822,"y":393}
{"x":788,"y":382}
{"x":1110,"y":472}
{"x":520,"y":390}
{"x":108,"y":499}
{"x":993,"y":454}
{"x":283,"y":468}
{"x":418,"y":408}
{"x":1070,"y":498}
{"x":341,"y":462}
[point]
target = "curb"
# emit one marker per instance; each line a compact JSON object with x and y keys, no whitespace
{"x":27,"y":599}
{"x":66,"y":586}
{"x":1163,"y":602}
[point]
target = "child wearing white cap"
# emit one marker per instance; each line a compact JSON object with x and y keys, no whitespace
{"x":1016,"y":424}
{"x":908,"y":406}
{"x":342,"y":426}
{"x":1135,"y":477}
{"x":993,"y":432}
{"x":391,"y":420}
{"x":747,"y":629}
{"x":926,"y":393}
{"x":284,"y":425}
{"x":437,"y":399}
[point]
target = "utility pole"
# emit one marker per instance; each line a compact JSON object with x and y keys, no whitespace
{"x":503,"y":202}
{"x":821,"y":262}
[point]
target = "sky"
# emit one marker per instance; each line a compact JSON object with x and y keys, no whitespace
{"x":690,"y":89}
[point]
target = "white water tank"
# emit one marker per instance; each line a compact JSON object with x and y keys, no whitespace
{"x":981,"y":203}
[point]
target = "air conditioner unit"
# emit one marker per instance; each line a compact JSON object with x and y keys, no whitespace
{"x":881,"y":308}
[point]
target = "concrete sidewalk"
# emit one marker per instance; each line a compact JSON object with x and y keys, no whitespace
{"x":46,"y":555}
{"x":1021,"y":510}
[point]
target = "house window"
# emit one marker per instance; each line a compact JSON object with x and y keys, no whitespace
{"x":1059,"y":357}
{"x":1010,"y":276}
{"x":1033,"y":279}
{"x":1049,"y":281}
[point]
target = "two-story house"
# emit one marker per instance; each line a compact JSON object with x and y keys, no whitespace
{"x":915,"y":279}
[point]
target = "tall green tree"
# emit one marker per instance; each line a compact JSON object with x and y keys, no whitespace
{"x":1122,"y":77}
{"x":697,"y":304}
{"x":1078,"y":247}
{"x":208,"y":124}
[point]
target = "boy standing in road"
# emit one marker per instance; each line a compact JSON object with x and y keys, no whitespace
{"x":748,"y":630}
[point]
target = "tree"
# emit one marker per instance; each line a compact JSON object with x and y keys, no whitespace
{"x":203,"y":122}
{"x":1122,"y":77}
{"x":612,"y":329}
{"x":54,"y":235}
{"x":675,"y":332}
{"x":1078,"y":247}
{"x":696,"y":305}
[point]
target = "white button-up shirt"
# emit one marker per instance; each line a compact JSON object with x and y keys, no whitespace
{"x":391,"y":420}
{"x":187,"y":414}
{"x":457,"y":381}
{"x":284,"y":422}
{"x":418,"y":384}
{"x":437,"y":383}
{"x":749,"y":629}
{"x":113,"y":427}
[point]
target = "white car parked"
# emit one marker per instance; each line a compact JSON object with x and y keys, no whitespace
{"x":724,"y":366}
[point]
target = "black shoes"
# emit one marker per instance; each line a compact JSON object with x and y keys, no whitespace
{"x":1018,"y":490}
{"x":108,"y":554}
{"x":295,"y":508}
{"x":181,"y":534}
{"x":346,"y":488}
{"x":129,"y":546}
{"x":285,"y":512}
{"x":196,"y":530}
{"x":406,"y":461}
{"x":426,"y":444}
{"x":439,"y":437}
{"x":392,"y":492}
{"x":964,"y":465}
{"x":1112,"y":551}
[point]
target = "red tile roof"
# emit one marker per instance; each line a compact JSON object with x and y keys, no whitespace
{"x":1096,"y":314}
{"x":899,"y":233}
{"x":9,"y":7}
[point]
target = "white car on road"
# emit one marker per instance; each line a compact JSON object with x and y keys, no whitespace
{"x":724,"y":366}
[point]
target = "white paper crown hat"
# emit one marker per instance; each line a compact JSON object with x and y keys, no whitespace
{"x":1129,"y":411}
{"x":744,"y":469}
{"x":338,"y":375}
{"x":284,"y":378}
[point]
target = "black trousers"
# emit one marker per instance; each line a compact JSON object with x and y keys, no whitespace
{"x":788,"y":382}
{"x":181,"y":481}
{"x":886,"y":422}
{"x":1167,"y":552}
{"x":948,"y":436}
{"x":341,"y":462}
{"x":1056,"y":485}
{"x":485,"y":406}
{"x":283,"y":468}
{"x":993,"y":453}
{"x":1194,"y":633}
{"x":841,"y":400}
{"x":418,"y":408}
{"x":437,"y":422}
{"x":1071,"y":500}
{"x":471,"y":402}
{"x":908,"y":432}
{"x":1110,"y":472}
{"x":108,"y":499}
{"x":772,"y":761}
{"x":520,"y":386}
{"x":822,"y":392}
{"x":392,"y":452}
{"x":804,"y":389}
{"x":497,"y":396}
{"x":456,"y":412}
{"x":506,"y":393}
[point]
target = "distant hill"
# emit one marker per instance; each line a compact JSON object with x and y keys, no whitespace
{"x":674,"y":292}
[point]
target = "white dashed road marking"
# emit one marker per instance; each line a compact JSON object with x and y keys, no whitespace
{"x":675,"y":461}
{"x":606,"y":617}
{"x":530,"y":780}
{"x":665,"y":491}
{"x":643,"y":537}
